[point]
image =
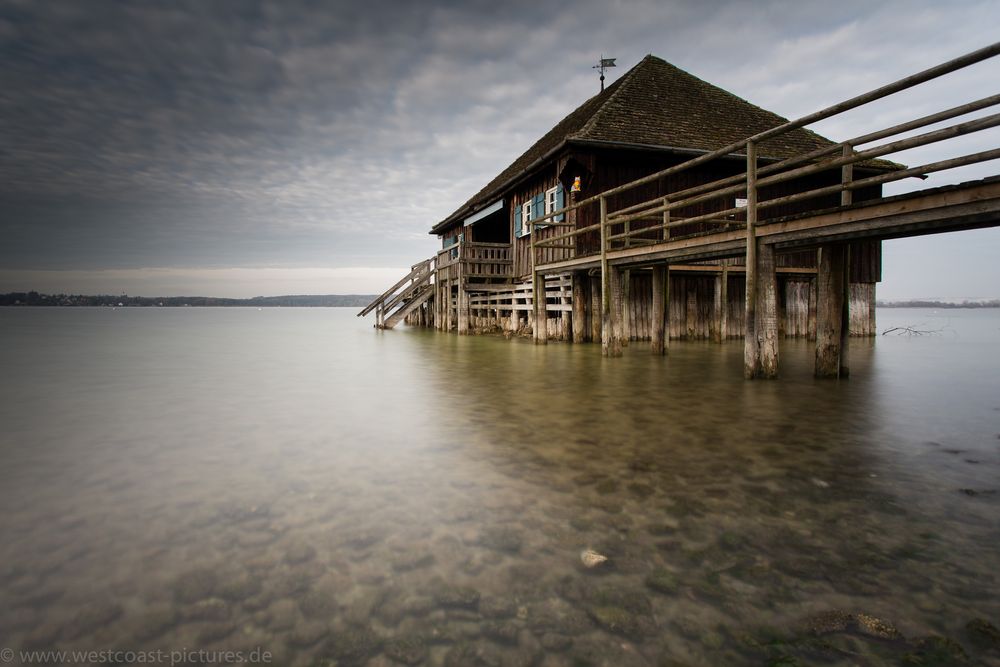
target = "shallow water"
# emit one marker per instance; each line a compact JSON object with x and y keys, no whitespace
{"x":290,"y":480}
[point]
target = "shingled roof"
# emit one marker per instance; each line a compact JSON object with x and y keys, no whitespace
{"x":655,"y":104}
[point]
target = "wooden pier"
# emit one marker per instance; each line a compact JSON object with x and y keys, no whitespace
{"x":787,"y":244}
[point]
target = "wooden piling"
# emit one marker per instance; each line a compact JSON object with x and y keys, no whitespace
{"x":830,"y":279}
{"x":541,"y":326}
{"x":579,"y":306}
{"x":760,"y":348}
{"x":615,"y":324}
{"x":658,"y":321}
{"x":595,"y":309}
{"x":844,"y":369}
{"x":609,"y":346}
{"x":462,"y":302}
{"x":626,"y":308}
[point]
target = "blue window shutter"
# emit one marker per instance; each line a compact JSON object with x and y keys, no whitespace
{"x":538,"y":206}
{"x":560,"y":202}
{"x":518,"y":225}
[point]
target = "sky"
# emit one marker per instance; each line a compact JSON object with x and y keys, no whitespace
{"x":241,"y":148}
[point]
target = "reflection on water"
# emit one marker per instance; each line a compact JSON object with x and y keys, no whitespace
{"x":291,"y":480}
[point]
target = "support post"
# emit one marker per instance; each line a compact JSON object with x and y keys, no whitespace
{"x":595,"y":309}
{"x":617,"y":302}
{"x":626,"y":309}
{"x":760,"y":347}
{"x":830,"y":281}
{"x":716,"y":325}
{"x":609,"y":347}
{"x":846,"y":198}
{"x":565,"y":316}
{"x":658,"y":313}
{"x":540,"y":329}
{"x":751,"y":358}
{"x":449,"y":312}
{"x":724,"y":312}
{"x":579,"y":307}
{"x":844,"y":369}
{"x":538,"y":301}
{"x":462,"y":300}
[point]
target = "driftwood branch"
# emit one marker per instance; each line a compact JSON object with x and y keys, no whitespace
{"x":912,"y":331}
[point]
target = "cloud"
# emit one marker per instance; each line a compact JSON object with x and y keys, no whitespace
{"x":197,"y":134}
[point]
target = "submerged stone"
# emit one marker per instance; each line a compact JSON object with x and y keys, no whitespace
{"x":318,"y":603}
{"x":307,"y":634}
{"x":501,"y":538}
{"x":937,"y":652}
{"x":195,"y":585}
{"x":213,"y":632}
{"x":299,"y":552}
{"x":983,"y":634}
{"x":497,"y":607}
{"x":473,"y":655}
{"x":238,"y":587}
{"x":93,"y":617}
{"x":503,"y":632}
{"x":407,"y":650}
{"x":607,"y":486}
{"x":351,"y":645}
{"x":155,"y":623}
{"x":557,"y":616}
{"x":552,"y":641}
{"x":592,"y":559}
{"x":462,"y":597}
{"x":662,"y":581}
{"x":411,"y":560}
{"x":640,"y":491}
{"x":876,"y":627}
{"x":828,"y":622}
{"x":209,"y":609}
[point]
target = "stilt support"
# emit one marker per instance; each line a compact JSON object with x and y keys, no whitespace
{"x":658,"y":313}
{"x":832,"y":312}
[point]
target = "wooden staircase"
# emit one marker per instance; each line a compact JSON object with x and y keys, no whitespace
{"x":412,"y":291}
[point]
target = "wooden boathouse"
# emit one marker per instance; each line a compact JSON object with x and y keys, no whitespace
{"x":665,"y":207}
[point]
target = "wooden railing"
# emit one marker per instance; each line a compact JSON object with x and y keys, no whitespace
{"x":652,"y":221}
{"x":486,"y":260}
{"x":479,"y":260}
{"x":402,"y":292}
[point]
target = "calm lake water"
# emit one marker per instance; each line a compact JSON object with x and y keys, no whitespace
{"x":291,"y":481}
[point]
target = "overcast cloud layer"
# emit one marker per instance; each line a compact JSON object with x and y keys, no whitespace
{"x":208,"y":139}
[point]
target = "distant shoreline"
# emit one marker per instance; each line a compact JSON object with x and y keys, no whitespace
{"x":125,"y":301}
{"x":919,"y":303}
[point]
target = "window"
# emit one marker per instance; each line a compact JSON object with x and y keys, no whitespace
{"x":452,"y":241}
{"x":535,"y":207}
{"x":555,"y":199}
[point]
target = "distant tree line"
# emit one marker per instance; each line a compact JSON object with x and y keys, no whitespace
{"x":123,"y":300}
{"x":994,"y":303}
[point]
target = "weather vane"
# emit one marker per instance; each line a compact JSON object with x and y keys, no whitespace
{"x":603,"y":65}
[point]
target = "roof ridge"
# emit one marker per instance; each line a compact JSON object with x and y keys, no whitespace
{"x":619,"y":84}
